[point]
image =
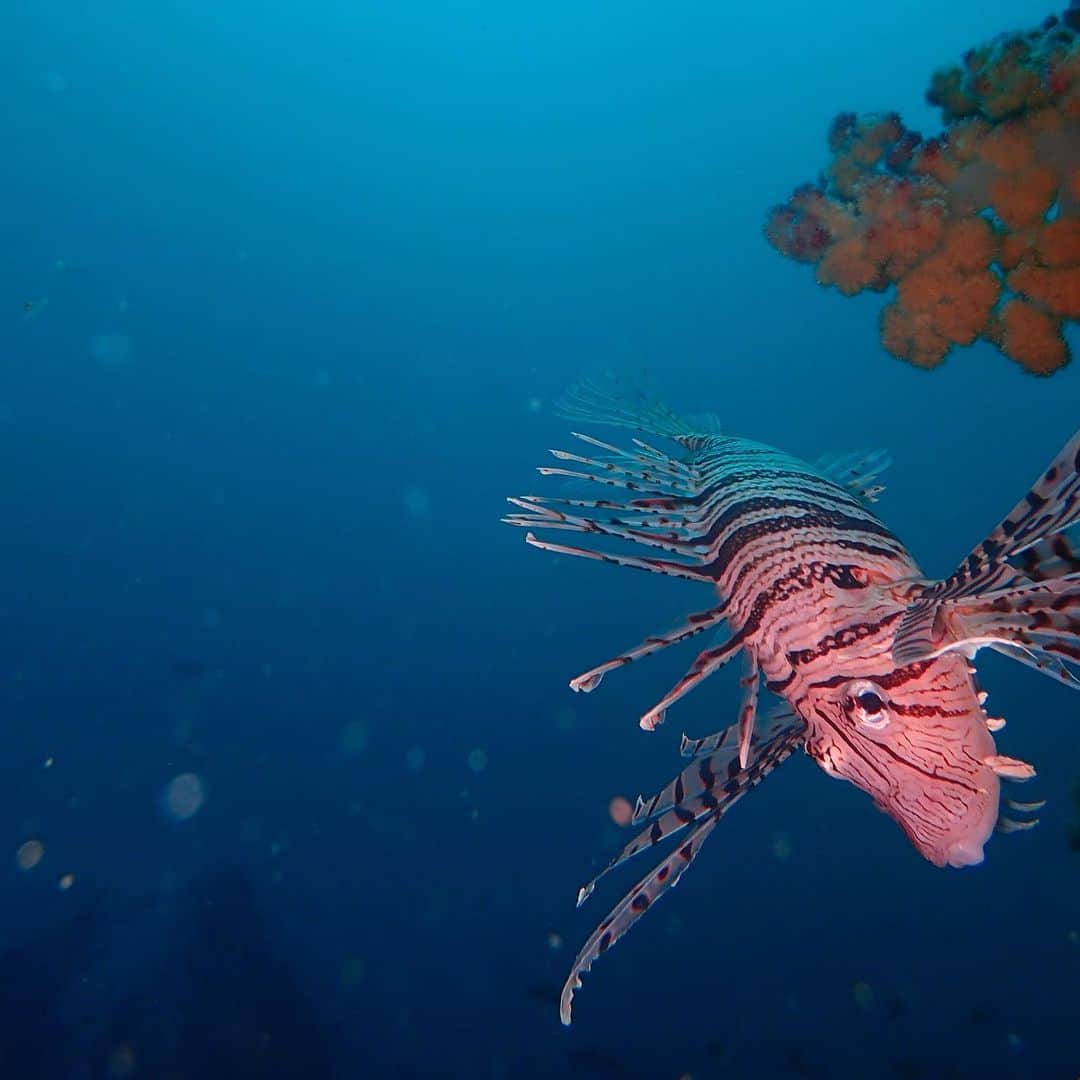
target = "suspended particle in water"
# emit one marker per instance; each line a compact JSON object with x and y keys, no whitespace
{"x":48,"y":763}
{"x":864,"y":995}
{"x":535,"y":405}
{"x":417,"y":502}
{"x":66,"y":881}
{"x":354,"y":738}
{"x":620,"y":811}
{"x":781,"y":846}
{"x":554,"y":941}
{"x":184,"y":796}
{"x":121,"y":1061}
{"x":111,"y":351}
{"x":29,"y":854}
{"x":353,"y":970}
{"x":478,"y":760}
{"x":414,"y":759}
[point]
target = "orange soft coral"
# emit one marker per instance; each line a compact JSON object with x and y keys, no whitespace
{"x":1031,"y":337}
{"x":979,"y":227}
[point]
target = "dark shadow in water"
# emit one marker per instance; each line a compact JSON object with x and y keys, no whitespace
{"x":223,"y":1004}
{"x":1073,"y":831}
{"x":215,"y":1002}
{"x":36,"y":1038}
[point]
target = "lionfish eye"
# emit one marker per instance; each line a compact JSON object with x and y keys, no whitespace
{"x":869,"y":702}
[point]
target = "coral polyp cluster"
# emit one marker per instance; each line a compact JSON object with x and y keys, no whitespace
{"x":978,"y":228}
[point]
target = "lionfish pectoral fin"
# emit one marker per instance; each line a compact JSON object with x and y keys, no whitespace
{"x":699,"y":797}
{"x":1019,"y":590}
{"x":1038,"y":621}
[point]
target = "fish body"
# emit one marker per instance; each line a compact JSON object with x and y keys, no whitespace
{"x":831,"y":612}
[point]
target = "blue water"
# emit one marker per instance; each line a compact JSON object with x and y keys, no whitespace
{"x":287,"y":293}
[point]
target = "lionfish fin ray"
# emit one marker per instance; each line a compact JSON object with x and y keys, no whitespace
{"x":632,"y":906}
{"x":778,"y":738}
{"x":957,"y":612}
{"x":695,"y":624}
{"x":857,"y":471}
{"x":619,"y":402}
{"x":711,"y":784}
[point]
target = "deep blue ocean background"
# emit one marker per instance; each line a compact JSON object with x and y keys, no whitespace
{"x":286,"y":294}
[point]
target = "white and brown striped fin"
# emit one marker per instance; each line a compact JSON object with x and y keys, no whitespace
{"x":704,"y":665}
{"x":786,"y":738}
{"x":1040,"y":619}
{"x":994,"y":570}
{"x":1051,"y":558}
{"x":695,"y":624}
{"x":1045,"y":665}
{"x":712,"y":783}
{"x":627,"y":912}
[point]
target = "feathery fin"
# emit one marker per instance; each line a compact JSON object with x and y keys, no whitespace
{"x":1018,"y":591}
{"x":715,"y":791}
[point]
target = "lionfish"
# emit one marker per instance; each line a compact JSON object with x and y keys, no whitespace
{"x":828,"y":608}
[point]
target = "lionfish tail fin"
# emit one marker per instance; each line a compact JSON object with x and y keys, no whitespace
{"x":1018,"y":591}
{"x":698,"y":797}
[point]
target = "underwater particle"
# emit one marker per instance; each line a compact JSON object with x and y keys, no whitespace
{"x":414,"y":759}
{"x":322,"y":379}
{"x":864,"y":995}
{"x":554,"y":941}
{"x":1015,"y":1042}
{"x":56,"y":82}
{"x":354,"y":738}
{"x":48,"y":763}
{"x":211,"y":618}
{"x":353,"y":971}
{"x":535,"y":405}
{"x":620,"y":811}
{"x":184,"y":796}
{"x":417,"y":503}
{"x":121,"y":1061}
{"x":1074,"y":937}
{"x":781,"y":846}
{"x":34,"y":309}
{"x":66,"y":881}
{"x":478,"y":760}
{"x":113,"y":352}
{"x":29,"y":854}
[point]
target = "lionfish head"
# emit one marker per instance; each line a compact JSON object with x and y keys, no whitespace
{"x":916,"y":740}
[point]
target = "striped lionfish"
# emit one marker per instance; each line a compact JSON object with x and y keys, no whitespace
{"x":829,"y":609}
